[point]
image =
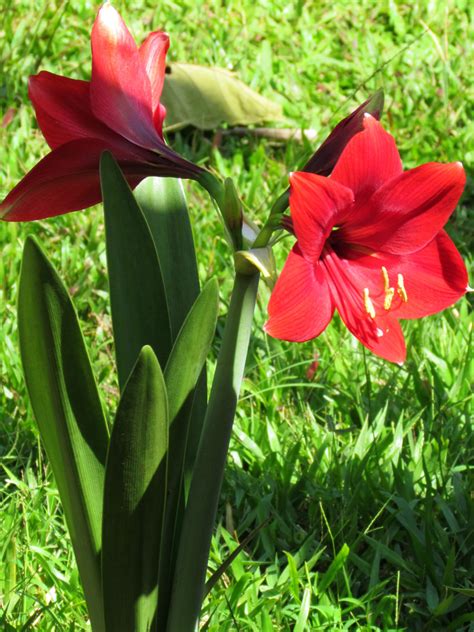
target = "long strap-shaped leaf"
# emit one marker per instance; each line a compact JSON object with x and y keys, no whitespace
{"x":68,"y":411}
{"x":134,"y":499}
{"x":182,"y":371}
{"x":164,"y":205}
{"x":191,"y":348}
{"x":137,"y":292}
{"x":195,"y":537}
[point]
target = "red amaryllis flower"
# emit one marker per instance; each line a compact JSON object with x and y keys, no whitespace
{"x":371,"y":244}
{"x":118,"y":109}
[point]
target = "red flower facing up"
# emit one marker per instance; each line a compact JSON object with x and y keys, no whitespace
{"x":117,"y":110}
{"x":371,"y":244}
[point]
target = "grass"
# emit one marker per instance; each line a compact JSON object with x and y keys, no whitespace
{"x":361,"y":476}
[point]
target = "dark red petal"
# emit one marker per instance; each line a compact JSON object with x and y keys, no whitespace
{"x":300,"y":306}
{"x":153,"y":55}
{"x":368,"y":161}
{"x":409,"y":211}
{"x":120,"y":87}
{"x":63,"y":110}
{"x":315,"y":204}
{"x":323,"y":160}
{"x":67,"y":179}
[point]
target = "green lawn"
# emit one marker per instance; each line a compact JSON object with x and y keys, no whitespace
{"x":364,"y":472}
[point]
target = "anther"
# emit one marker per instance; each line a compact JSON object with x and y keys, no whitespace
{"x":369,"y":306}
{"x":386,"y":281}
{"x":389,"y":292}
{"x":401,"y":288}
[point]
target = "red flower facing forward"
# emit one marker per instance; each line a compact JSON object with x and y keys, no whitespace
{"x":371,"y":244}
{"x":117,"y":110}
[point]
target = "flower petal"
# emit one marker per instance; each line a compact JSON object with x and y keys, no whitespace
{"x":300,"y":306}
{"x":323,"y":160}
{"x":433,"y":278}
{"x":153,"y":55}
{"x":387,"y":343}
{"x":409,"y":211}
{"x":67,"y":179}
{"x":63,"y":109}
{"x":369,"y":160}
{"x":120,"y":87}
{"x":379,"y":331}
{"x":316,"y":203}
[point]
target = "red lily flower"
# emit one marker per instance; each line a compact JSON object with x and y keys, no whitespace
{"x":118,"y":110}
{"x":371,"y":244}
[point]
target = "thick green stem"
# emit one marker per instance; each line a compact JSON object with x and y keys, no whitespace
{"x":213,"y":187}
{"x":195,"y":540}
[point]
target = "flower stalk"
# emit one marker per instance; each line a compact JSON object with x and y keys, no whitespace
{"x":195,"y":541}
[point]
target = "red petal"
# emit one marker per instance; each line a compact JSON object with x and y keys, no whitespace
{"x":380,"y":333}
{"x":67,"y":179}
{"x":316,"y":203}
{"x":300,"y":306}
{"x":434,"y":278}
{"x":120,"y":87}
{"x":388,"y":343}
{"x":153,"y":55}
{"x":63,"y":110}
{"x":368,"y":161}
{"x":408,"y":212}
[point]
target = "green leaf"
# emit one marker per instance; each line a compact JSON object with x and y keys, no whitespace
{"x":182,"y":372}
{"x":134,"y":499}
{"x":191,"y":348}
{"x":164,"y":207}
{"x":208,"y":97}
{"x":137,"y":292}
{"x":219,"y":572}
{"x":67,"y":408}
{"x":301,"y":623}
{"x":334,"y":568}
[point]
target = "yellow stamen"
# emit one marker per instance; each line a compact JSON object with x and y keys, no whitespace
{"x":401,"y":288}
{"x":389,"y":292}
{"x":386,"y":281}
{"x":369,"y":306}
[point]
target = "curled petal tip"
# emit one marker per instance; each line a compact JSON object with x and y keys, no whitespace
{"x":109,"y":16}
